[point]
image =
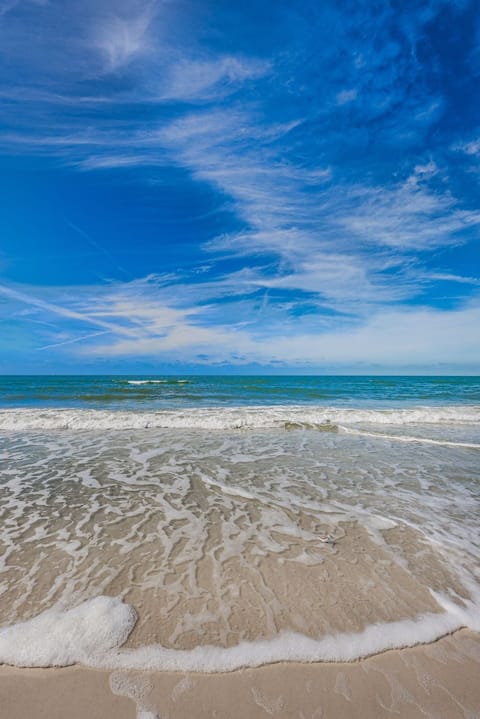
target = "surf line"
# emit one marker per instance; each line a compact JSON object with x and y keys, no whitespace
{"x":400,"y":438}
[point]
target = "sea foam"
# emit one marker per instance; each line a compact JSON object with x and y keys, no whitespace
{"x":59,"y":637}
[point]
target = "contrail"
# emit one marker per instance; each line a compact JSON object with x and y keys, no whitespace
{"x":75,"y":339}
{"x":64,"y":312}
{"x":96,"y":245}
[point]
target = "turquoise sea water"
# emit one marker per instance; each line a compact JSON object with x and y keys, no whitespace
{"x":171,"y":392}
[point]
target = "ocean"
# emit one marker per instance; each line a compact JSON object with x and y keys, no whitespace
{"x":207,"y":523}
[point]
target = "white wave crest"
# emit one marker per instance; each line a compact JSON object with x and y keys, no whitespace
{"x":147,"y":381}
{"x":231,"y":417}
{"x":158,"y":381}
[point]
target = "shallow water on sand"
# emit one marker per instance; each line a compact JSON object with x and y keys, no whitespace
{"x":283,"y":526}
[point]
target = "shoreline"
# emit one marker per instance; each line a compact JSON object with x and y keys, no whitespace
{"x":437,"y":679}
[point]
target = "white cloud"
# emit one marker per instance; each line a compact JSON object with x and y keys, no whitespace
{"x":121,"y":39}
{"x":401,"y":336}
{"x":389,"y":338}
{"x":409,"y":216}
{"x":351,"y":246}
{"x":331,"y":238}
{"x":218,"y":343}
{"x":449,"y":277}
{"x":422,"y":172}
{"x":346,"y":96}
{"x":470,"y":148}
{"x":109,"y":161}
{"x":235,"y":152}
{"x":199,"y":79}
{"x":342,"y":279}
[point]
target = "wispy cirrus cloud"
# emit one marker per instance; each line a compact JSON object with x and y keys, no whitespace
{"x":200,"y":79}
{"x":449,"y":277}
{"x":328,"y":235}
{"x":121,"y":39}
{"x":340,"y":242}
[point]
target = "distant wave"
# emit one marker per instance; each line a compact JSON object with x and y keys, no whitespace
{"x":287,"y":417}
{"x":158,"y":381}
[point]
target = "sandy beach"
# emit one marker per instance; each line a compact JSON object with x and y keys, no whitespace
{"x":435,"y":680}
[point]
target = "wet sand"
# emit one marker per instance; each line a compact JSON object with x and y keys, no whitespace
{"x":435,"y":680}
{"x":282,"y":579}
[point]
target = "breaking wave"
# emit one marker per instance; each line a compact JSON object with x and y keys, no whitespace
{"x":287,"y":417}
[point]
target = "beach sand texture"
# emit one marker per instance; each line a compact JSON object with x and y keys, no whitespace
{"x":437,"y":680}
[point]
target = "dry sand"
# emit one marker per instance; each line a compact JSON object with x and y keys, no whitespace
{"x":440,"y":680}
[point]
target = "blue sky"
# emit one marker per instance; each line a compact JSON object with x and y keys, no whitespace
{"x":255,"y":186}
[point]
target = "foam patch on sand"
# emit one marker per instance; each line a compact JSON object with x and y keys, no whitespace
{"x":58,"y":638}
{"x":92,"y":634}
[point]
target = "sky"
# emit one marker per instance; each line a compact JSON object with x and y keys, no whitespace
{"x":214,"y":186}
